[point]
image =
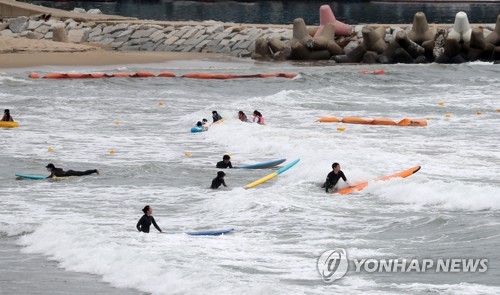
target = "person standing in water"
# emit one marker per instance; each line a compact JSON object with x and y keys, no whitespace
{"x":333,"y":177}
{"x":242,"y":116}
{"x":257,"y":117}
{"x":219,"y":180}
{"x":6,"y":116}
{"x":146,"y":220}
{"x":225,"y":163}
{"x":59,"y":172}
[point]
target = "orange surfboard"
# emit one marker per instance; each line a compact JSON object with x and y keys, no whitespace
{"x":363,"y":185}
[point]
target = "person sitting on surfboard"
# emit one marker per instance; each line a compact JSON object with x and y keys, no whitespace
{"x":257,"y":117}
{"x":225,"y":163}
{"x":219,"y":180}
{"x":242,"y":116}
{"x":333,"y":177}
{"x":215,"y":116}
{"x":145,"y":222}
{"x":7,"y":117}
{"x":59,"y":172}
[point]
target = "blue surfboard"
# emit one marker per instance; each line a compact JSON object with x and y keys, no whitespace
{"x":263,"y":165}
{"x":210,"y":232}
{"x":30,"y":176}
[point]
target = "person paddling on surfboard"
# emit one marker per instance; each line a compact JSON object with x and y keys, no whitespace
{"x":215,"y":116}
{"x":225,"y":163}
{"x":145,"y":222}
{"x":59,"y":172}
{"x":333,"y":177}
{"x":219,"y":180}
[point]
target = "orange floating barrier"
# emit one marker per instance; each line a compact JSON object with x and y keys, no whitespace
{"x":364,"y":71}
{"x":55,"y":76}
{"x":98,"y":75}
{"x":230,"y":76}
{"x":355,"y":120}
{"x":34,"y":76}
{"x":123,"y":75}
{"x":412,"y":122}
{"x":76,"y":75}
{"x":382,"y":121}
{"x":143,"y":75}
{"x":166,"y":74}
{"x":328,"y":120}
{"x":379,"y":72}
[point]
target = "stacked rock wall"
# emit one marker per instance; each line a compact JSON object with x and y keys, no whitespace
{"x":211,"y":37}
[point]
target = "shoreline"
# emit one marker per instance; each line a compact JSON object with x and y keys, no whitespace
{"x":94,"y":58}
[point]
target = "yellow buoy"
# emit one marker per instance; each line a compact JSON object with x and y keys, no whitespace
{"x":50,"y":149}
{"x":161,"y":103}
{"x":187,"y":154}
{"x":428,"y":118}
{"x":441,"y":103}
{"x":118,"y":122}
{"x":340,"y":128}
{"x":479,"y":113}
{"x":112,"y":152}
{"x":448,"y":115}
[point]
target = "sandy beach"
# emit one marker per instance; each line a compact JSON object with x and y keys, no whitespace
{"x":21,"y":52}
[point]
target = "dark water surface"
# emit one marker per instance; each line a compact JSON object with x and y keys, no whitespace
{"x":283,"y":12}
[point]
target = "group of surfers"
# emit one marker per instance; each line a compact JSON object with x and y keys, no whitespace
{"x":147,"y":219}
{"x":144,"y":223}
{"x":257,"y":118}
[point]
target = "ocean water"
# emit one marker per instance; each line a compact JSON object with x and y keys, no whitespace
{"x":284,"y":12}
{"x":85,"y":226}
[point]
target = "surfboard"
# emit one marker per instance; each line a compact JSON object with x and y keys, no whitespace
{"x":271,"y":176}
{"x":262,"y":165}
{"x":30,"y":176}
{"x":361,"y":186}
{"x":8,"y":124}
{"x":210,"y":232}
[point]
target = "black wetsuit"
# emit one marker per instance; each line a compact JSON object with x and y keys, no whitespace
{"x":332,"y":179}
{"x":145,"y":222}
{"x":221,"y":164}
{"x":59,"y":172}
{"x":217,"y":182}
{"x":216,"y":118}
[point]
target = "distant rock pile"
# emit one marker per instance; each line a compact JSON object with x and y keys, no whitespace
{"x":416,"y":44}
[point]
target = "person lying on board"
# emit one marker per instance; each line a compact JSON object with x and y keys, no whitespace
{"x":242,"y":117}
{"x":257,"y":117}
{"x":333,"y":177}
{"x":219,"y":180}
{"x":59,"y":172}
{"x":145,"y":222}
{"x":225,"y":163}
{"x":215,"y":116}
{"x":7,"y":117}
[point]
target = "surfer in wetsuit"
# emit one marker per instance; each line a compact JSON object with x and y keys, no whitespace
{"x":333,"y":177}
{"x":59,"y":172}
{"x":219,"y":180}
{"x":225,"y":163}
{"x":145,"y":222}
